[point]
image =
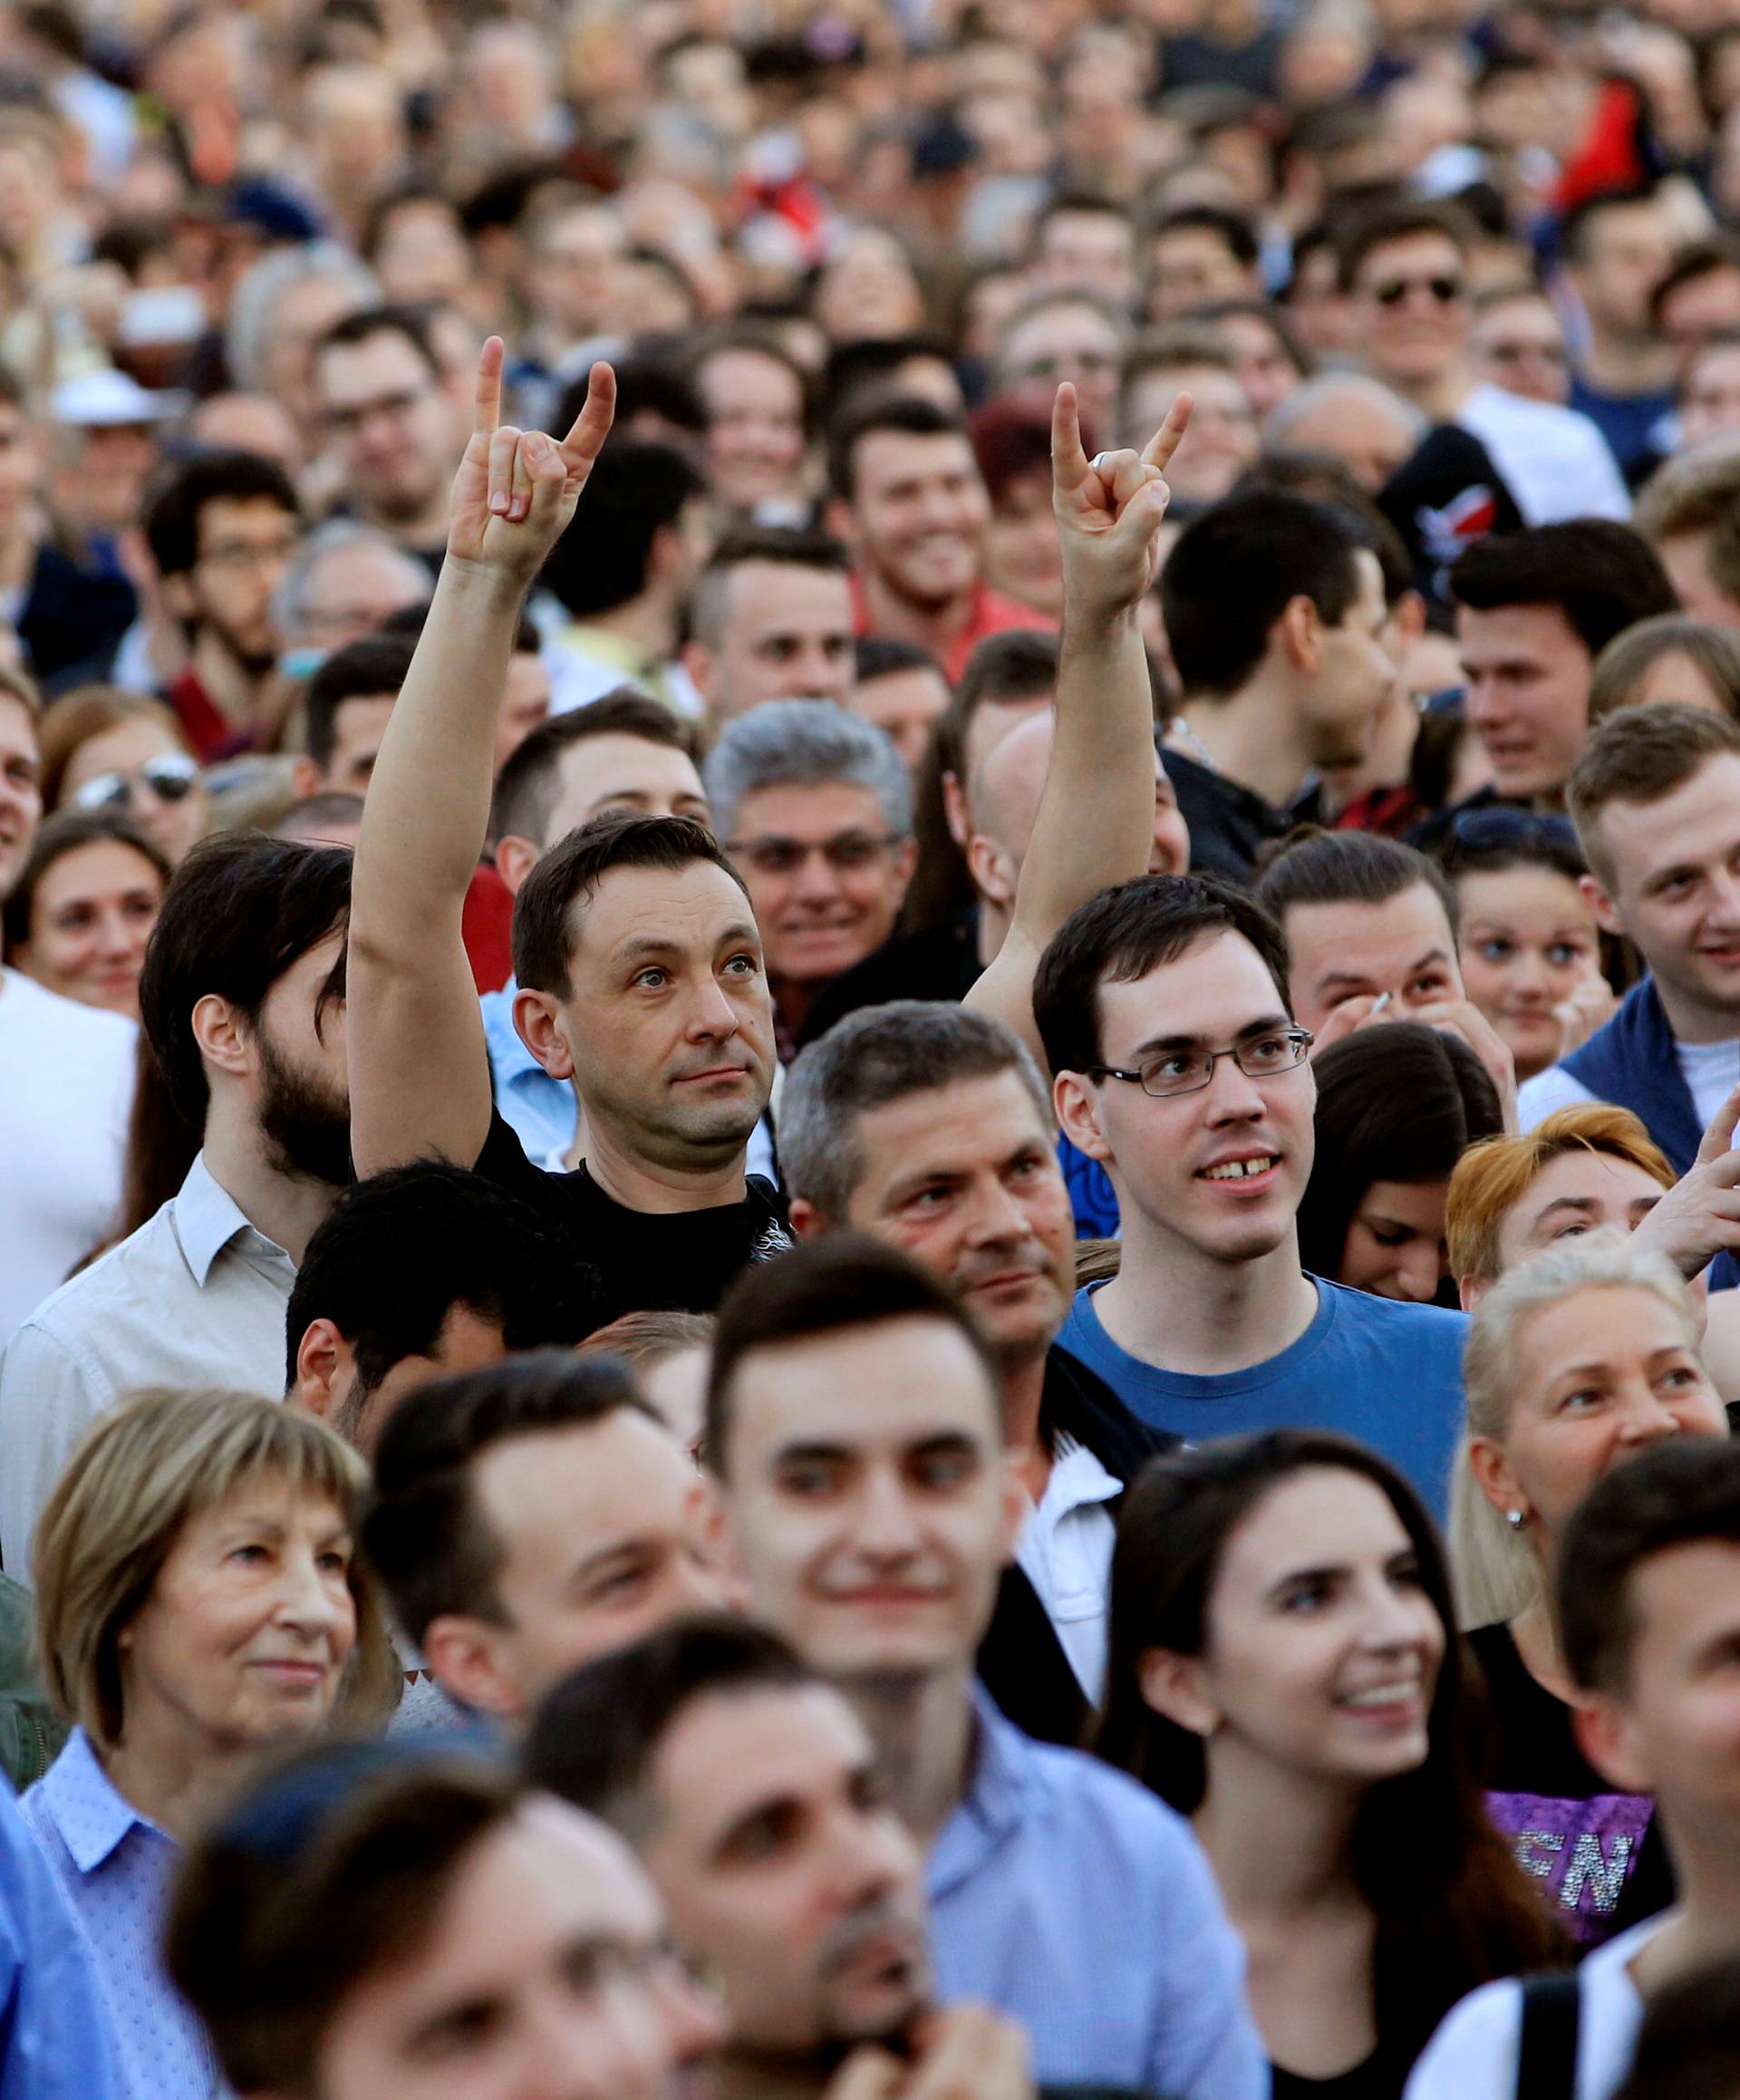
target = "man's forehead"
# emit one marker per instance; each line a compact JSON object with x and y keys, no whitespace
{"x":1413,"y":916}
{"x":618,"y":763}
{"x":1697,"y":819}
{"x":729,"y":1749}
{"x":888,"y":456}
{"x":1437,"y":249}
{"x":776,"y":593}
{"x":1217,"y":985}
{"x":936,"y":1126}
{"x":1685,"y":1597}
{"x":853,"y":1390}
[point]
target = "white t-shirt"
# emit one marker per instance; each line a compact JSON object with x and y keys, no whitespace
{"x":1065,"y":1551}
{"x":1553,"y":461}
{"x":1711,"y":1071}
{"x":1473,"y":2055}
{"x":66,"y":1086}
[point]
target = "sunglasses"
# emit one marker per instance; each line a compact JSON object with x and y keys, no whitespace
{"x":170,"y":779}
{"x":1481,"y":829}
{"x":1392,"y":291}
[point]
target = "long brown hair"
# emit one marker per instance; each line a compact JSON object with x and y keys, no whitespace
{"x":1452,"y":1908}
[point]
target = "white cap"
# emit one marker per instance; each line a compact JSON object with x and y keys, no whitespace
{"x":107,"y":397}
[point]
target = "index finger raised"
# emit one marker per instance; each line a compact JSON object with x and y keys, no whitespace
{"x":1164,"y":440}
{"x":487,"y":414}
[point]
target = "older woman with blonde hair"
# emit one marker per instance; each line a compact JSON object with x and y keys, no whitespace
{"x":198,"y":1603}
{"x":1579,"y":1358}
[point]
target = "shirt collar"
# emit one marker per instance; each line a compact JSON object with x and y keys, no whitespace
{"x":88,"y":1810}
{"x":1078,"y":1481}
{"x":994,"y":1802}
{"x":207,"y":1219}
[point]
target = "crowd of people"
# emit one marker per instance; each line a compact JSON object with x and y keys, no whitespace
{"x":870,"y":1051}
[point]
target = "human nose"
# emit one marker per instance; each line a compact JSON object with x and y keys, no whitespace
{"x":116,"y":935}
{"x":994,"y":1214}
{"x":307,"y":1600}
{"x":692,"y":2014}
{"x":1418,"y":1272}
{"x":1231,"y":1095}
{"x":884,"y":1525}
{"x":1647,"y":1419}
{"x":816,"y":875}
{"x":714,"y":1018}
{"x":574,"y":2053}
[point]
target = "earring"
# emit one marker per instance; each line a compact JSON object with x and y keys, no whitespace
{"x":1515,"y":1519}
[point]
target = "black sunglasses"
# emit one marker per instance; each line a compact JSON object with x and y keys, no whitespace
{"x":1394,"y":290}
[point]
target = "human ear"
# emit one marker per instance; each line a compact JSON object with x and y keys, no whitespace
{"x":515,"y":858}
{"x":1599,"y":901}
{"x":324,"y":1360}
{"x":1605,"y":1736}
{"x":1078,"y":1111}
{"x":992,"y":868}
{"x":534,"y":1018}
{"x":1493,"y":1476}
{"x":221,"y":1036}
{"x":461,"y":1654}
{"x":1172,"y":1687}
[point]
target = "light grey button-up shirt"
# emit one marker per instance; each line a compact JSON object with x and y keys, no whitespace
{"x":194,"y":1297}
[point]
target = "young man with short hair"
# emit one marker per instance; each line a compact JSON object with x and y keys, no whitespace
{"x":900,"y":688}
{"x":529,"y":1516}
{"x":1533,"y":611}
{"x":910,"y":502}
{"x":243,"y":1003}
{"x":752,"y":1791}
{"x":1293,"y":683}
{"x":1689,"y":512}
{"x":1617,"y":245}
{"x":1163,"y":1009}
{"x":1649,"y":1609}
{"x":1655,"y":799}
{"x":387,"y":404}
{"x":771,"y":619}
{"x":345,"y":709}
{"x":855,"y":1429}
{"x":420,"y":1273}
{"x":366,"y":1920}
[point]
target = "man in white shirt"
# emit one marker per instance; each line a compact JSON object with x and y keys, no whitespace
{"x":1655,"y":799}
{"x":242,"y":1002}
{"x":66,"y":1073}
{"x":1404,"y":270}
{"x":1649,"y":1613}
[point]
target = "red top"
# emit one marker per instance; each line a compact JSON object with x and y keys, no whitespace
{"x":992,"y":614}
{"x":488,"y":923}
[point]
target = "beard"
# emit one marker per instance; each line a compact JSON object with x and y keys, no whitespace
{"x":305,"y":1122}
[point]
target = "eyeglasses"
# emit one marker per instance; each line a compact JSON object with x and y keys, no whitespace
{"x":1519,"y":353}
{"x":1392,"y":291}
{"x":395,"y":407}
{"x":1080,"y":364}
{"x":1188,"y":1071}
{"x":170,"y":779}
{"x":845,"y":853}
{"x":240,"y":554}
{"x":1485,"y":828}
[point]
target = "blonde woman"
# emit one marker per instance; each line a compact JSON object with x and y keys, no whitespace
{"x":198,"y":1602}
{"x":1578,"y":1359}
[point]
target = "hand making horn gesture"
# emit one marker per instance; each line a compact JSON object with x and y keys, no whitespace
{"x":1108,"y":509}
{"x":516,"y":490}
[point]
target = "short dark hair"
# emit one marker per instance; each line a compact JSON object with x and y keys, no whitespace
{"x":410,"y":621}
{"x":543,"y":934}
{"x":785,"y":547}
{"x":1401,"y":1103}
{"x":636,"y":490}
{"x":908,"y":414}
{"x":1574,"y":226}
{"x":400,"y":1251}
{"x":65,"y":832}
{"x":385,"y":320}
{"x":528,"y":785}
{"x":1347,"y":867}
{"x":887,"y":655}
{"x":841,"y":1281}
{"x":879,"y":1055}
{"x":181,"y":489}
{"x":239,"y":911}
{"x":1125,"y":932}
{"x":1642,"y":755}
{"x":595,"y":1737}
{"x":1022,"y":664}
{"x":372,"y":669}
{"x":1684,"y":1492}
{"x":422,"y":1528}
{"x":1402,"y":219}
{"x":1701,"y":259}
{"x":331,"y":1866}
{"x":1231,"y":228}
{"x":1257,"y":552}
{"x":1600,"y":575}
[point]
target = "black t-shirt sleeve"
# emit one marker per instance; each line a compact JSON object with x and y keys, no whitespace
{"x":502,"y":1161}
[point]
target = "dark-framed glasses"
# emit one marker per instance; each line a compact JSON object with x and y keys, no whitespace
{"x":1392,"y":291}
{"x":170,"y":779}
{"x":845,"y":853}
{"x":1164,"y":1073}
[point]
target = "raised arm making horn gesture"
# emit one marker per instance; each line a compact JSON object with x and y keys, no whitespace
{"x":1094,"y":825}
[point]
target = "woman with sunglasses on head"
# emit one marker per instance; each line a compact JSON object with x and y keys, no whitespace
{"x":1284,"y":1669}
{"x":1527,"y":941}
{"x":83,"y":911}
{"x":104,"y":747}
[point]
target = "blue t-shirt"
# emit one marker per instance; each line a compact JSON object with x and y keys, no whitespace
{"x":1386,"y":1373}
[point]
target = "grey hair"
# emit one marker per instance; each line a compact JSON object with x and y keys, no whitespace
{"x":1497,"y":1568}
{"x":337,"y":536}
{"x":805,"y":743}
{"x":249,"y":327}
{"x":879,"y":1055}
{"x":1327,"y":386}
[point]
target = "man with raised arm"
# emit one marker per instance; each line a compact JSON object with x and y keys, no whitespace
{"x":639,"y":965}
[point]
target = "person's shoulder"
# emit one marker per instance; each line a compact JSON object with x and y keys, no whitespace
{"x":1473,"y":2055}
{"x":132,"y":1269}
{"x":1080,"y":1788}
{"x":1392,"y":1317}
{"x":1548,"y":1090}
{"x":59,"y":1025}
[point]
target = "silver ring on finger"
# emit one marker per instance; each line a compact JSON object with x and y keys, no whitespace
{"x":1098,"y":461}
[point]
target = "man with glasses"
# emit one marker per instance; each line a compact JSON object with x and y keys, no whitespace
{"x":222,"y":528}
{"x":1073,"y":336}
{"x":1165,"y":1010}
{"x":385,"y":400}
{"x":1404,"y":270}
{"x":1519,"y":342}
{"x":816,"y":810}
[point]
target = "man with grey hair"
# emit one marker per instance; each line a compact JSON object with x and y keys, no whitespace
{"x":929,"y":1127}
{"x":1350,"y":417}
{"x":280,"y":308}
{"x":343,"y":583}
{"x":815,"y":806}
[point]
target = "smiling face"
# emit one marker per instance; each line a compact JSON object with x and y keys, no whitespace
{"x":1323,"y":1648}
{"x":1527,"y":700}
{"x":868,"y":1501}
{"x":755,"y":425}
{"x":919,"y":514}
{"x":1339,"y":951}
{"x":1595,"y":1380}
{"x":243,"y":1638}
{"x":174,"y":823}
{"x":786,"y":1872}
{"x":1412,"y":334}
{"x":1222,"y":1170}
{"x":1527,"y":940}
{"x":90,"y":920}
